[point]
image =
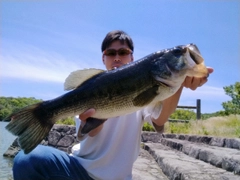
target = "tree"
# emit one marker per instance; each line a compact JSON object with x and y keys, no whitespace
{"x":11,"y":104}
{"x":233,"y":106}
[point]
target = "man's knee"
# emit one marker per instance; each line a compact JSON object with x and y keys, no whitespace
{"x":38,"y":155}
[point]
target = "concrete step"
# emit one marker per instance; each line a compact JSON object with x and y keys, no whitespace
{"x":145,"y":167}
{"x":226,"y":158}
{"x":233,"y":143}
{"x":178,"y":166}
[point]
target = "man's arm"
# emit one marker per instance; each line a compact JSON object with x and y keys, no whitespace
{"x":169,"y":105}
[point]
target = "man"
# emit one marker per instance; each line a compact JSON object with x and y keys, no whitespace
{"x":109,"y":151}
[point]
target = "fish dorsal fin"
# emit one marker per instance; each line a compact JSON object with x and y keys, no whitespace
{"x":77,"y":77}
{"x":155,"y":110}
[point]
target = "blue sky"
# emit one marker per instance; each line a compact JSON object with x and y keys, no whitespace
{"x":43,"y":41}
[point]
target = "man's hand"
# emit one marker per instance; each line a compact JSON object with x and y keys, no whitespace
{"x":193,"y":82}
{"x":170,"y":104}
{"x":84,"y":116}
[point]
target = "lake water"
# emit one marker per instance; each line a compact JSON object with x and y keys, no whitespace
{"x":6,"y":139}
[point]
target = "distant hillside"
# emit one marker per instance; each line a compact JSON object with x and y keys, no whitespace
{"x":9,"y":105}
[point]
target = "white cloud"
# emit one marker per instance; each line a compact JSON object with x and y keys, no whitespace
{"x":34,"y":68}
{"x":34,"y":64}
{"x":211,"y":98}
{"x":205,"y":92}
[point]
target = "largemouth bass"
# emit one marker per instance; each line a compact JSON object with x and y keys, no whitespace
{"x":139,"y":84}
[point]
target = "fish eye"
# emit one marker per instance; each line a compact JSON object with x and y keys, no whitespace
{"x":177,"y":51}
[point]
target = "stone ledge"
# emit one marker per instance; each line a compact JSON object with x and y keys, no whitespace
{"x":210,"y":140}
{"x":145,"y":167}
{"x":166,"y":156}
{"x":62,"y":137}
{"x":226,"y":158}
{"x":177,"y":165}
{"x":233,"y":143}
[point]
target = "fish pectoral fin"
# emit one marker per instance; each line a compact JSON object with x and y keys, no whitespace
{"x":156,"y":110}
{"x":91,"y":123}
{"x":146,"y":97}
{"x":78,"y":77}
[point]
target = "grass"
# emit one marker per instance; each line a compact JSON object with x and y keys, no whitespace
{"x":228,"y":126}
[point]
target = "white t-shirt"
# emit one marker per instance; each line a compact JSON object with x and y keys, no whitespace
{"x":111,"y":153}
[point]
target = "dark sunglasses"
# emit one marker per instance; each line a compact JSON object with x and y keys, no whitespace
{"x":120,"y":52}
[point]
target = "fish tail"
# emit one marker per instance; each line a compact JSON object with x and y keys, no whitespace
{"x":31,"y":126}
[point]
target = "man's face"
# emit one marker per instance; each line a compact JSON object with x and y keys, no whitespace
{"x":112,"y":60}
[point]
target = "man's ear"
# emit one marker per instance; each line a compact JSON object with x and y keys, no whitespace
{"x":132,"y":58}
{"x":103,"y":59}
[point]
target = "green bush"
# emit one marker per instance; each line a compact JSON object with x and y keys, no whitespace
{"x":183,"y":114}
{"x":179,"y":128}
{"x":66,"y":121}
{"x":147,"y":127}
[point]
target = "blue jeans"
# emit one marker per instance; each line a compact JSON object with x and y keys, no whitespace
{"x":47,"y":163}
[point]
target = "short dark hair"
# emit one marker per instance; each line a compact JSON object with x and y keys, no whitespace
{"x":117,"y":35}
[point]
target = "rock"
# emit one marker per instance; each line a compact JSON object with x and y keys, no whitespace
{"x":12,"y":151}
{"x":215,"y":141}
{"x":183,"y":137}
{"x":151,"y":137}
{"x":62,"y":137}
{"x":232,"y":143}
{"x":66,"y":141}
{"x":61,"y":128}
{"x":53,"y":138}
{"x":72,"y":131}
{"x":173,"y":136}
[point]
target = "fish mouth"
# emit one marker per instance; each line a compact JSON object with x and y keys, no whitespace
{"x":195,"y":53}
{"x":196,"y":62}
{"x":165,"y":83}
